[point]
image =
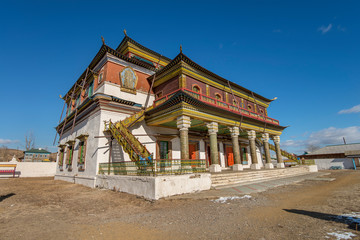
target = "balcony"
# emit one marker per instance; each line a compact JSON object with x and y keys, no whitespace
{"x":219,"y":104}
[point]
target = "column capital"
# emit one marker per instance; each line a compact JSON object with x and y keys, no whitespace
{"x":183,"y":122}
{"x":251,"y":135}
{"x":276,"y":139}
{"x":212,"y":127}
{"x":234,"y":131}
{"x":265,"y":137}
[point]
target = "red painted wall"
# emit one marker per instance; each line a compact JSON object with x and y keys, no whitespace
{"x":112,"y":75}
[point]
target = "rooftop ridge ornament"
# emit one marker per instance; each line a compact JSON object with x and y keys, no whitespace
{"x":180,"y":48}
{"x":125,"y":32}
{"x":103,"y":40}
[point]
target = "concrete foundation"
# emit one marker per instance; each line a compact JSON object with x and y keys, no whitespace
{"x":280,"y":165}
{"x":255,"y":166}
{"x":215,"y":168}
{"x":312,"y":168}
{"x":238,"y":167}
{"x":269,"y":166}
{"x":156,"y":187}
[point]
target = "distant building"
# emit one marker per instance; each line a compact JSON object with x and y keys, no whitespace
{"x":344,"y":156}
{"x":36,"y":155}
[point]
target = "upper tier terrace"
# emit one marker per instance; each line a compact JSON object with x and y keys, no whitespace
{"x":219,"y":104}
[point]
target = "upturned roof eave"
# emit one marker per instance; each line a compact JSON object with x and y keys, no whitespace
{"x":182,"y":57}
{"x":100,"y":54}
{"x":128,"y":39}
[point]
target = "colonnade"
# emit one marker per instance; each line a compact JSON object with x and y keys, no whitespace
{"x":184,"y":123}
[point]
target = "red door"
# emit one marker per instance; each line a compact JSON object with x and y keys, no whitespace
{"x":230,"y":155}
{"x":192,"y":151}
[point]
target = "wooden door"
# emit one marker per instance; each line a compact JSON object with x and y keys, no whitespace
{"x":229,"y":155}
{"x":192,"y":151}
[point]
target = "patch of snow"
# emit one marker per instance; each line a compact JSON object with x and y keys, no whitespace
{"x":342,"y":235}
{"x":225,"y":199}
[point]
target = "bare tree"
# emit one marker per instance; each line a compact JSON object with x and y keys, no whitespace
{"x":29,"y":141}
{"x":4,"y":153}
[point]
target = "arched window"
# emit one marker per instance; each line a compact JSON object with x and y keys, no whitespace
{"x":196,"y":88}
{"x":235,"y":103}
{"x":262,"y":112}
{"x":218,"y":96}
{"x":249,"y":107}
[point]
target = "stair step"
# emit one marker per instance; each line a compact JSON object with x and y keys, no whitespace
{"x":244,"y":177}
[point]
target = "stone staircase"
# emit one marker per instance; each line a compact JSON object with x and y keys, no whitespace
{"x":226,"y":179}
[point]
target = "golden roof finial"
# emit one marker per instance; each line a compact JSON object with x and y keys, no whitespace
{"x":125,"y":32}
{"x":180,"y":48}
{"x":103,"y":40}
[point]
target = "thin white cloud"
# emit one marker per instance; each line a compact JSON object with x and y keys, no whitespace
{"x":354,"y":109}
{"x":323,"y":29}
{"x":7,"y":141}
{"x":334,"y":135}
{"x":341,"y":28}
{"x":327,"y":136}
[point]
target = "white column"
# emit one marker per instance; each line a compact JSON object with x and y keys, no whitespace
{"x":280,"y":162}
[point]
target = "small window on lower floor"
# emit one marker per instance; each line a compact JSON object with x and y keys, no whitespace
{"x":61,"y":158}
{"x":81,"y":155}
{"x":164,"y":149}
{"x":69,"y":154}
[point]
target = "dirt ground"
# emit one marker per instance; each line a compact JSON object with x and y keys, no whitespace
{"x":41,"y":208}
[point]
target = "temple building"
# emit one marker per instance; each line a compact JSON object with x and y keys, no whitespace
{"x":132,"y":105}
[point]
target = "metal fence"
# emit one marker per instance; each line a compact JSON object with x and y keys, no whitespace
{"x":154,"y":167}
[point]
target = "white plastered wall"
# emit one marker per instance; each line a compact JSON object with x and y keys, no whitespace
{"x":114,"y":90}
{"x":91,"y":127}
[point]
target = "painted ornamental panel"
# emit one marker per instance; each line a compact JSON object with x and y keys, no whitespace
{"x":128,"y":80}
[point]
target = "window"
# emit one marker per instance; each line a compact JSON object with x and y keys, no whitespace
{"x":262,"y":112}
{"x":81,"y":154}
{"x":164,"y":149}
{"x":249,"y":107}
{"x":159,"y":95}
{"x":100,"y":78}
{"x":218,"y":96}
{"x":196,"y":89}
{"x":69,"y":108}
{"x":90,"y":89}
{"x":69,"y":155}
{"x":77,"y":102}
{"x":61,"y":157}
{"x":235,"y":103}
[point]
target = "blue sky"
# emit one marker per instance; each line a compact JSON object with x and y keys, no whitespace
{"x":306,"y":53}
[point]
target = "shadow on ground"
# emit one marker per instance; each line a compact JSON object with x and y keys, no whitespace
{"x":352,"y":222}
{"x":3,"y":197}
